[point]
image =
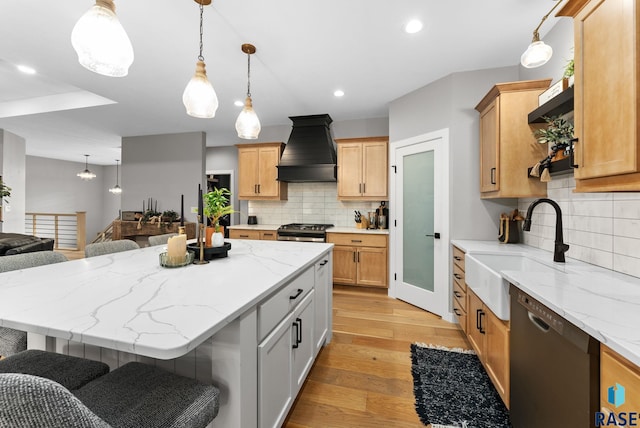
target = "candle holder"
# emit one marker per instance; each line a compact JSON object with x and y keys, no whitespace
{"x":201,"y":260}
{"x":182,"y":230}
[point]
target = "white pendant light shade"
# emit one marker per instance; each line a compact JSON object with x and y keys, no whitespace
{"x":248,"y":124}
{"x":100,"y":41}
{"x":199,"y":97}
{"x":536,"y":55}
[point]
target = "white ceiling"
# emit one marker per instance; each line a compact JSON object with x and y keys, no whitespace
{"x":305,"y":51}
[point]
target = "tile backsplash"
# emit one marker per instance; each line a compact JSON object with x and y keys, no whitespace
{"x":601,"y":228}
{"x":310,"y":203}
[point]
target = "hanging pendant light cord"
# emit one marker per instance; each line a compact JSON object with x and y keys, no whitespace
{"x":536,"y":34}
{"x":200,"y":57}
{"x":249,"y":75}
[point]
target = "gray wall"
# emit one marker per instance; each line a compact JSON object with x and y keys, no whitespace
{"x":449,"y":103}
{"x":13,"y":172}
{"x":53,"y":187}
{"x":163,"y":167}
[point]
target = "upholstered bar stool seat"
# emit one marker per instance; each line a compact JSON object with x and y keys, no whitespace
{"x":12,"y":341}
{"x":137,"y":395}
{"x":70,"y":372}
{"x":109,"y":247}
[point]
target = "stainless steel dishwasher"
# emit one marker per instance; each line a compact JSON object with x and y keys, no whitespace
{"x":554,"y":365}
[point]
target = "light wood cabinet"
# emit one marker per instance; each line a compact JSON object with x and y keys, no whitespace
{"x":489,"y":337}
{"x":360,"y":259}
{"x":507,"y":144}
{"x":606,"y":91}
{"x":363,"y":168}
{"x":459,"y":289}
{"x":615,"y":369}
{"x":258,"y":234}
{"x":258,"y":172}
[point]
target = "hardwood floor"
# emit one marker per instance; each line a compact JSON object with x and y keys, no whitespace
{"x":363,"y":377}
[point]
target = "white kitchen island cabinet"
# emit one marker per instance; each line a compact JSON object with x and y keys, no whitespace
{"x":208,"y":322}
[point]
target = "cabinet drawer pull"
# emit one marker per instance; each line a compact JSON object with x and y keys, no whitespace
{"x":360,"y":188}
{"x":258,"y":188}
{"x":268,"y":234}
{"x":482,"y":330}
{"x":457,"y":294}
{"x":324,"y":262}
{"x":364,"y":187}
{"x":571,"y":153}
{"x":458,"y":258}
{"x":244,"y":236}
{"x":298,"y":293}
{"x":299,"y":338}
{"x":493,"y":175}
{"x":255,"y":188}
{"x":355,"y":241}
{"x":295,"y":325}
{"x":354,"y":257}
{"x":457,"y":276}
{"x":456,"y":311}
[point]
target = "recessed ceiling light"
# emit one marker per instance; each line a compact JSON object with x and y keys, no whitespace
{"x":413,"y":26}
{"x":338,"y":93}
{"x":238,"y":103}
{"x":26,"y":70}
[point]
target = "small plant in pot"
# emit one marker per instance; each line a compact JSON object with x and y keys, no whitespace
{"x":216,"y":206}
{"x":557,"y":134}
{"x":5,"y":192}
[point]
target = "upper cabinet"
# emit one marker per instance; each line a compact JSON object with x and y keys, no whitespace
{"x":363,"y":168}
{"x":258,"y":172}
{"x":507,"y":144}
{"x":606,"y":93}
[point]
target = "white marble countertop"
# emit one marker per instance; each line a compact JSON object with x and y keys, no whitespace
{"x":128,"y":302}
{"x":603,"y":303}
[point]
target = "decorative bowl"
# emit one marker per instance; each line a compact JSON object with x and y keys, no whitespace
{"x":164,"y":260}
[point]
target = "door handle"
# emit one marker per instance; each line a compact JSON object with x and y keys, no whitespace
{"x":299,"y":338}
{"x":493,"y":175}
{"x":295,"y":325}
{"x":435,"y":235}
{"x":482,"y":330}
{"x":571,"y":154}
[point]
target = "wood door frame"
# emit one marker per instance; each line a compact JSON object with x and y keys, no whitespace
{"x":442,"y":270}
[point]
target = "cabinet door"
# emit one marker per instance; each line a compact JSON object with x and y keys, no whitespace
{"x":606,"y":89}
{"x":350,"y":170}
{"x":489,"y":148}
{"x":372,"y":267}
{"x":268,"y":172}
{"x":475,"y":320}
{"x":497,"y":353}
{"x":303,"y":344}
{"x":275,"y":384}
{"x":344,"y":265}
{"x":374,"y":170}
{"x":247,"y":172}
{"x":322,"y":301}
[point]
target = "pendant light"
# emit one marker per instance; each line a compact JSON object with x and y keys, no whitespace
{"x":86,"y":174}
{"x":116,"y":190}
{"x":199,"y":97}
{"x":248,"y":124}
{"x":100,"y":41}
{"x":538,"y":53}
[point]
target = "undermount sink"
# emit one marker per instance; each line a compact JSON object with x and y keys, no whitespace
{"x":482,"y":275}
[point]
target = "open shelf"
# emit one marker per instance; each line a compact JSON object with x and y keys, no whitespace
{"x":558,"y":167}
{"x":558,"y":105}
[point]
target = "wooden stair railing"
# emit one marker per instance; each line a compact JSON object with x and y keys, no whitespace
{"x":69,"y":231}
{"x":105,"y":235}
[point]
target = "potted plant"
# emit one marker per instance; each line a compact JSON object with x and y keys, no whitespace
{"x":5,"y":192}
{"x":557,"y":134}
{"x":216,"y":206}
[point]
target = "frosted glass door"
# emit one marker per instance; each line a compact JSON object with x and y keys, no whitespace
{"x":417,"y":212}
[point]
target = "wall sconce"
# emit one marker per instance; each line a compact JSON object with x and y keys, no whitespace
{"x":538,"y":53}
{"x":248,"y":124}
{"x":199,"y":97}
{"x":86,"y":175}
{"x":100,"y":41}
{"x":116,"y":190}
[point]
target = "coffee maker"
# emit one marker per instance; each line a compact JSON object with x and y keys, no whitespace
{"x":382,"y":214}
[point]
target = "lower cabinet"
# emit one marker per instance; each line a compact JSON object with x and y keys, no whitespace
{"x":256,"y":234}
{"x":489,"y":337}
{"x":359,"y":259}
{"x":293,"y":325}
{"x":616,"y":372}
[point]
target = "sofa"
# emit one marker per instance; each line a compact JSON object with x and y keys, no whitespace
{"x":17,"y":243}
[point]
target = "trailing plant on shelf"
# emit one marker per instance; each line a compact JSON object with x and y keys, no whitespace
{"x":216,"y":205}
{"x":5,"y":192}
{"x":557,"y":134}
{"x":569,"y":69}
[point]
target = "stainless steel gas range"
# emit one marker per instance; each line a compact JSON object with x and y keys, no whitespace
{"x":303,"y":232}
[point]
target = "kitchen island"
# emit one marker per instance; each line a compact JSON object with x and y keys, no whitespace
{"x":209,"y":322}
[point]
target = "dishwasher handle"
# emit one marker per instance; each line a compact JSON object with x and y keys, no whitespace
{"x":537,"y":321}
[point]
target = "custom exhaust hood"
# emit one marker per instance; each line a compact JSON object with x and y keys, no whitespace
{"x":310,"y":154}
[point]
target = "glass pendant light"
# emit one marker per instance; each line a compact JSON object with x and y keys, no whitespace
{"x":116,"y":190}
{"x":248,"y":124}
{"x":199,"y":97}
{"x":538,"y":53}
{"x":100,"y":41}
{"x":86,"y":174}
